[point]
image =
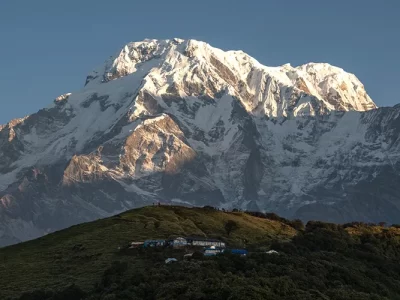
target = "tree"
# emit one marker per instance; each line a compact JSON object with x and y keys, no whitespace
{"x":297,"y":224}
{"x":230,"y":226}
{"x":209,"y":207}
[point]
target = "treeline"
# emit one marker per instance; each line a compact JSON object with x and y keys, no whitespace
{"x":324,"y":261}
{"x":298,"y":224}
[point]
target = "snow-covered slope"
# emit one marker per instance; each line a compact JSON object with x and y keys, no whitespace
{"x":183,"y":122}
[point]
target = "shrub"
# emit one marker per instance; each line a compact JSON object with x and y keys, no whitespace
{"x":230,"y":226}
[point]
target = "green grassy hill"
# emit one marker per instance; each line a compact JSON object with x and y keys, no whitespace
{"x":80,"y":254}
{"x":319,"y":261}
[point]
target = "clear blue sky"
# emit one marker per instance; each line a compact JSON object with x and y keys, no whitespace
{"x":47,"y":47}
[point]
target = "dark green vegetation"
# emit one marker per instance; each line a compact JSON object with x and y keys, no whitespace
{"x":320,"y":261}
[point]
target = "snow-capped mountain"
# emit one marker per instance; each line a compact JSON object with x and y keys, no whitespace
{"x":182,"y":122}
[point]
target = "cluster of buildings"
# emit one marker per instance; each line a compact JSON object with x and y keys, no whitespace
{"x":210,"y":247}
{"x":180,"y":242}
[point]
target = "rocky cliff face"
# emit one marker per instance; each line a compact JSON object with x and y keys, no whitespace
{"x":182,"y":122}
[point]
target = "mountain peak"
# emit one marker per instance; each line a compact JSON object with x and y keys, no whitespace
{"x":340,"y":89}
{"x":332,"y":86}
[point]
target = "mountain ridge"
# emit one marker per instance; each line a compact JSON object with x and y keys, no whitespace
{"x":183,"y":122}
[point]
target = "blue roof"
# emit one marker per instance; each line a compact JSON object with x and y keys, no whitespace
{"x":238,"y":251}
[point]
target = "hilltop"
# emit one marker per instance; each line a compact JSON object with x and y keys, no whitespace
{"x":319,"y":261}
{"x":81,"y":253}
